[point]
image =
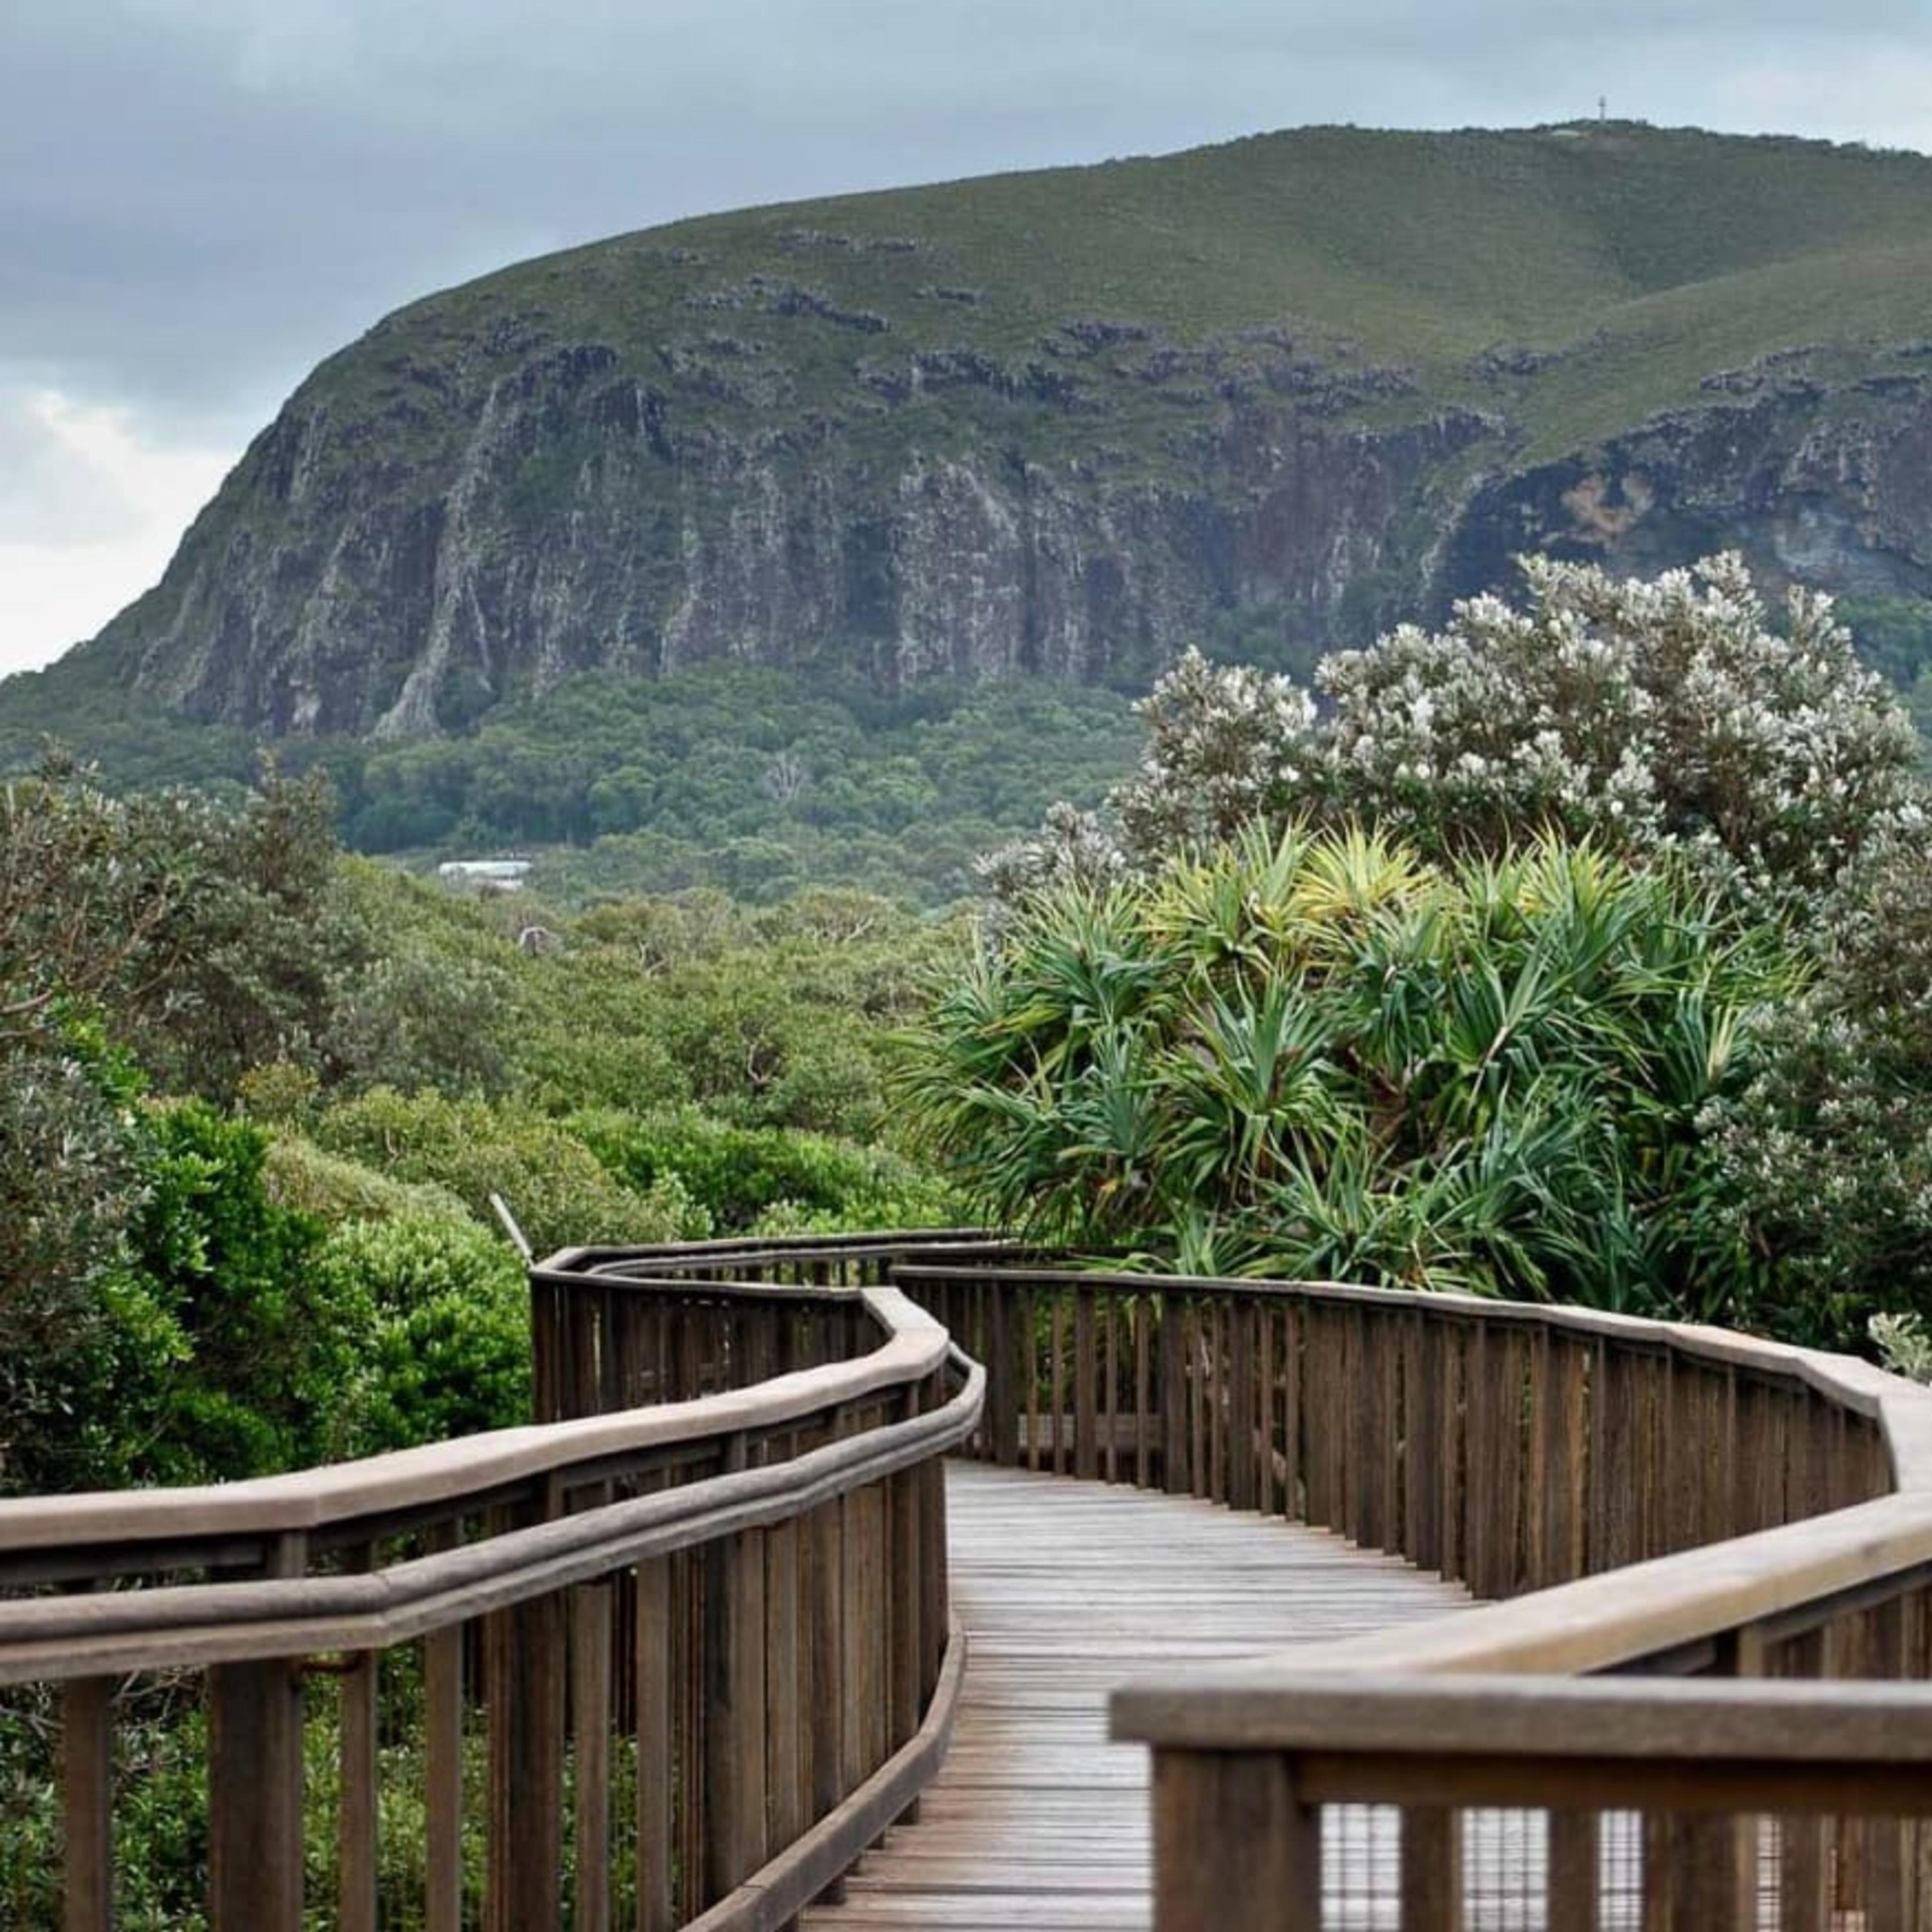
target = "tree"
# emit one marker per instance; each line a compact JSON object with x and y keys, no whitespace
{"x":1828,"y":1151}
{"x":1641,"y":715}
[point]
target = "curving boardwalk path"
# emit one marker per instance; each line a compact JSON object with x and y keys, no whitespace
{"x":1036,"y":1823}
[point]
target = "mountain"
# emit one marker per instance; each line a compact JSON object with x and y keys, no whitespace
{"x":1268,"y":395}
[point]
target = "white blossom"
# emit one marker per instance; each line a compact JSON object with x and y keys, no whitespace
{"x":1643,"y":713}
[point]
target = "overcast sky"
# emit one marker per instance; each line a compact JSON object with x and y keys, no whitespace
{"x":199,"y":198}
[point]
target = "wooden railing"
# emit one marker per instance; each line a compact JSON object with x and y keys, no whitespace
{"x":718,"y":1597}
{"x":1705,"y":1541}
{"x":677,"y":1654}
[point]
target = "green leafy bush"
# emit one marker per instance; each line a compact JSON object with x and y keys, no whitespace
{"x":560,"y":1192}
{"x":741,"y":1176}
{"x":263,"y":1350}
{"x":300,"y":1175}
{"x":444,"y":1307}
{"x":71,"y":1183}
{"x":1325,"y":1056}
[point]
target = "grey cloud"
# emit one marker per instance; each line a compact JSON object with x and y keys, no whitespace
{"x":198,"y":198}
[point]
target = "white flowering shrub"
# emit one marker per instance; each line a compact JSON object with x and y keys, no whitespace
{"x":1904,"y":1345}
{"x":1226,"y":746}
{"x":1640,"y":714}
{"x":1072,"y":848}
{"x":1827,"y":1152}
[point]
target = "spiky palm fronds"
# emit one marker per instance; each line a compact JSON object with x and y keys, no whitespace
{"x":1320,"y":1053}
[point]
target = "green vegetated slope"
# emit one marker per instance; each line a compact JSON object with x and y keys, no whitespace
{"x":1424,"y":248}
{"x":885,"y":450}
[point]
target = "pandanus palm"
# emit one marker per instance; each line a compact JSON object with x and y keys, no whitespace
{"x":1323,"y":1054}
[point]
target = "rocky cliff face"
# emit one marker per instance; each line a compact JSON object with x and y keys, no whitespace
{"x":857,"y":447}
{"x":401,"y":608}
{"x":1828,"y":487}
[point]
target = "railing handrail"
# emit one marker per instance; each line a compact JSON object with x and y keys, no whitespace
{"x":1797,"y":1720}
{"x":1655,"y":1608}
{"x":440,"y":1474}
{"x":47,"y":1639}
{"x":1856,"y":1385}
{"x":697,"y":1569}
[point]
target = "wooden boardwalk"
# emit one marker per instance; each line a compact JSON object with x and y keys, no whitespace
{"x":1037,"y":1824}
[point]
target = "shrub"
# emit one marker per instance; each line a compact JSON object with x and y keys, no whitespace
{"x":1641,"y":715}
{"x":1328,"y":1056}
{"x":1828,"y":1151}
{"x":445,"y":1307}
{"x":740,"y":1175}
{"x":70,"y":1184}
{"x":262,"y":1352}
{"x":300,"y":1175}
{"x":559,"y":1191}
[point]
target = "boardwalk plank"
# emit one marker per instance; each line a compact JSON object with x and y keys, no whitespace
{"x":1036,"y":1823}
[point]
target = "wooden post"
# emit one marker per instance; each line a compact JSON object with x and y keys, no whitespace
{"x":734,"y":1711}
{"x":255,"y":1797}
{"x":1292,"y":1329}
{"x":1028,"y":1314}
{"x":1574,"y":1868}
{"x":1451,"y":1358}
{"x":1504,"y":1393}
{"x":656,"y":1905}
{"x":935,"y":1612}
{"x":1890,"y":1844}
{"x":524,"y":1648}
{"x":1110,"y":1390}
{"x":825,"y":1655}
{"x":1562,"y":1411}
{"x":442,"y":1691}
{"x":87,"y":1803}
{"x":1700,"y":1873}
{"x":590,"y":1632}
{"x":1086,"y":1367}
{"x":1140,"y":1314}
{"x":1211,"y":1409}
{"x":1000,"y":1433}
{"x":1426,"y":1443}
{"x":1056,"y":1378}
{"x":785,"y":1708}
{"x":1695,"y":1875}
{"x":1176,"y":1478}
{"x":1243,"y":1410}
{"x":355,"y":1848}
{"x":1432,"y":1870}
{"x":1375,"y":1432}
{"x":1234,"y":1849}
{"x":904,"y":1548}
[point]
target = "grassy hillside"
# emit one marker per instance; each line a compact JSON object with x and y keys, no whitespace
{"x":1652,"y":255}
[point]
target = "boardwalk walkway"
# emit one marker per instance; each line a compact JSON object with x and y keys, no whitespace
{"x":1037,"y":1824}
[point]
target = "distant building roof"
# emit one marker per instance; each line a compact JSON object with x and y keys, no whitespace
{"x":501,"y":871}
